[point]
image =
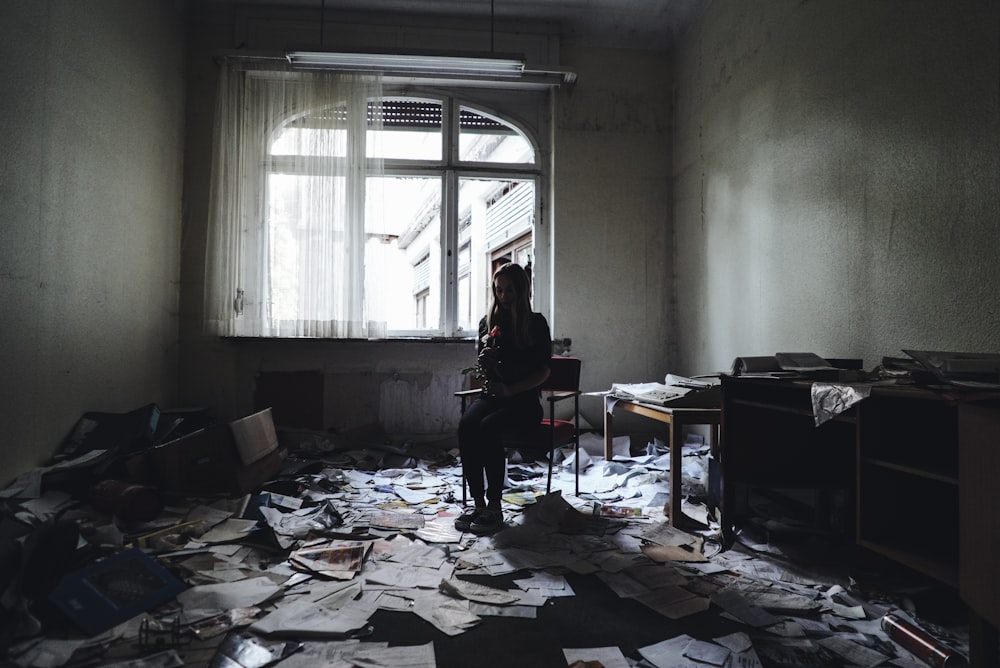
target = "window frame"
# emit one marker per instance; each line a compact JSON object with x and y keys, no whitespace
{"x":451,"y":170}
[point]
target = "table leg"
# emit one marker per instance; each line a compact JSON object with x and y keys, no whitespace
{"x":675,"y":475}
{"x":608,"y":436}
{"x":727,"y":495}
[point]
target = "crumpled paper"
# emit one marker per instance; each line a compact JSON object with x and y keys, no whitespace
{"x":830,"y":400}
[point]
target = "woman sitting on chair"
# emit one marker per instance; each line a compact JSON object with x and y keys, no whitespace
{"x":514,"y":348}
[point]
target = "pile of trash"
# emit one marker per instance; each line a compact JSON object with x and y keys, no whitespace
{"x":128,"y":554}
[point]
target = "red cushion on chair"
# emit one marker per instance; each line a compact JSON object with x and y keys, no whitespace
{"x":538,"y":438}
{"x":564,"y":430}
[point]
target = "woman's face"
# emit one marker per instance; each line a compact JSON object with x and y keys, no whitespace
{"x":504,"y":290}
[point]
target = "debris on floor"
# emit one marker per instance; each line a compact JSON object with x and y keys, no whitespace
{"x":262,"y":553}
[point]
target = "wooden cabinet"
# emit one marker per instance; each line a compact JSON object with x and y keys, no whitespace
{"x":979,"y":524}
{"x":908,"y":483}
{"x":769,"y":439}
{"x":923,"y":466}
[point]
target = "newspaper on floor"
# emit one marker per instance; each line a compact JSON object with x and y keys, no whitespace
{"x":340,"y":559}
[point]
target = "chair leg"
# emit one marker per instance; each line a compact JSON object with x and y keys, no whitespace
{"x":576,"y":439}
{"x":576,"y":448}
{"x":548,"y":485}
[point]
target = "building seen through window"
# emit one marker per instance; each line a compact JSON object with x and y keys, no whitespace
{"x":454,"y":200}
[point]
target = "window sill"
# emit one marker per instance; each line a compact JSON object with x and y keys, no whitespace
{"x":301,"y":339}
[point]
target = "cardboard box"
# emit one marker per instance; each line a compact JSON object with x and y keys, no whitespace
{"x":254,"y":436}
{"x":233,"y":458}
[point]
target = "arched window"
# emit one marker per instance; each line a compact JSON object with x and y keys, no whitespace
{"x":369,"y":217}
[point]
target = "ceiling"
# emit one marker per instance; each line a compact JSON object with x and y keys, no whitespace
{"x":651,"y":24}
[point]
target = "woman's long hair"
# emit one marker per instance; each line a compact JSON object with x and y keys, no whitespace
{"x":520,"y":313}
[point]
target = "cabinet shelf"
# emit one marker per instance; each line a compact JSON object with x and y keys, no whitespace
{"x":941,"y":568}
{"x":950,"y":478}
{"x":910,"y":512}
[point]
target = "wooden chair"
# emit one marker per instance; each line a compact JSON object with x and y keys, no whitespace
{"x":550,"y":433}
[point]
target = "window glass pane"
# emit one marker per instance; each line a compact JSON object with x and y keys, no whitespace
{"x":483,"y":138}
{"x":301,"y":246}
{"x":498,"y":221}
{"x":403,"y":251}
{"x":411,"y":130}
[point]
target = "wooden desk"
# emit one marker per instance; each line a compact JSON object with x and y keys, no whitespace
{"x":921,"y":465}
{"x":675,"y":419}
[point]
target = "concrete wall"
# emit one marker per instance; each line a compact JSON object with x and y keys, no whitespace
{"x":91,"y":131}
{"x":612,"y":218}
{"x":606,"y":225}
{"x":835,"y":174}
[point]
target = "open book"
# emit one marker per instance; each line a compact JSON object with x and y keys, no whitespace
{"x":803,"y":362}
{"x":691,"y":383}
{"x":668,"y":396}
{"x":647,"y":393}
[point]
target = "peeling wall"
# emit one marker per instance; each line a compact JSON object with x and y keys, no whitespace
{"x":835,"y":174}
{"x":406,"y":387}
{"x":422,"y":403}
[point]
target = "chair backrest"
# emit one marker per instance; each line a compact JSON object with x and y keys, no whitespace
{"x":564,"y":374}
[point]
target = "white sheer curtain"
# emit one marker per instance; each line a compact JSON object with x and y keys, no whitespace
{"x":291,"y":251}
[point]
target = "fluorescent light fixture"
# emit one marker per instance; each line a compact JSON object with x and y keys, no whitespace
{"x":488,"y":65}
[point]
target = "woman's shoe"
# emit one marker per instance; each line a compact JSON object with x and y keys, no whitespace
{"x":464,"y":521}
{"x":487,"y":521}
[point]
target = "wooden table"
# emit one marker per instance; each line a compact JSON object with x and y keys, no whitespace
{"x":675,"y":419}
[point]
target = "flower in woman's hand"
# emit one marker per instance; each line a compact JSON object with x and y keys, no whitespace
{"x":490,"y":339}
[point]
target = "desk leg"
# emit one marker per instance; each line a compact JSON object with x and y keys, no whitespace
{"x":982,"y":642}
{"x":727,"y":496}
{"x":676,"y":462}
{"x":608,"y":436}
{"x":713,"y":445}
